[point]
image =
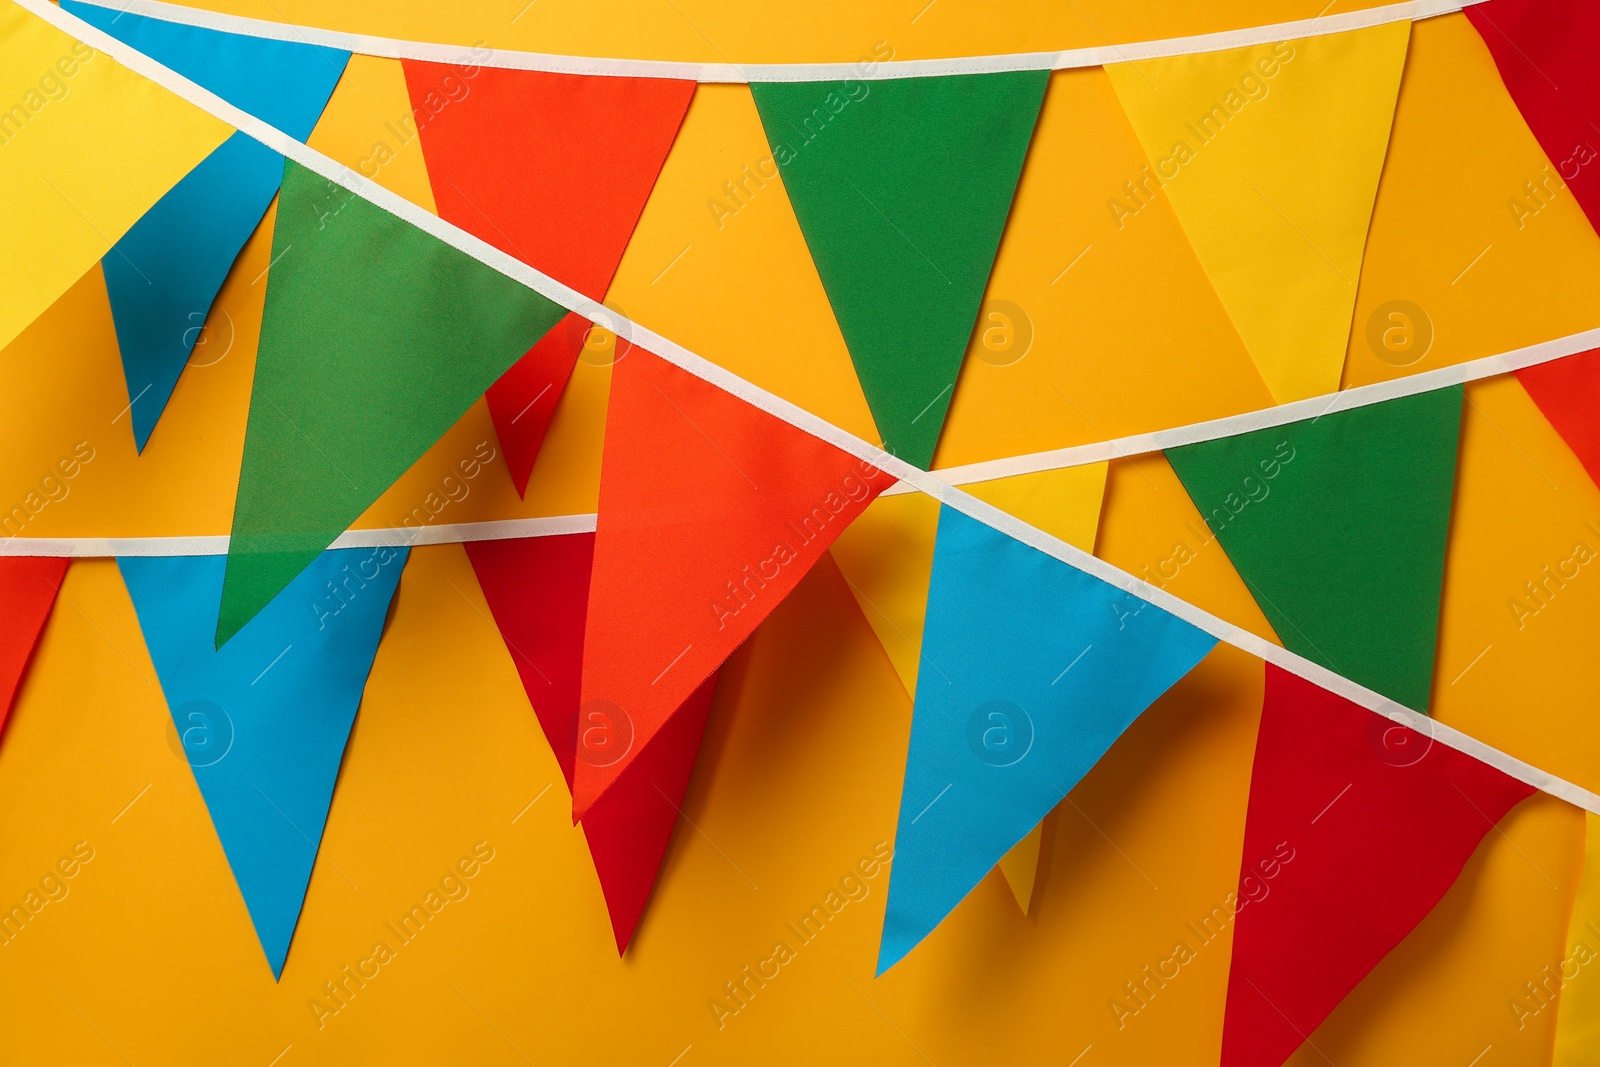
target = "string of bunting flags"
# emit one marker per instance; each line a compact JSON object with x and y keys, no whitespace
{"x":1026,"y":656}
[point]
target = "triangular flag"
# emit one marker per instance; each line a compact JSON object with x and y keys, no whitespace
{"x":376,"y":338}
{"x":70,"y":110}
{"x":265,"y":720}
{"x":1030,"y":670}
{"x":1338,"y":526}
{"x":711,"y":511}
{"x":1567,"y":392}
{"x":164,"y":273}
{"x":28,"y":587}
{"x":553,"y":169}
{"x":1270,"y":156}
{"x":630,"y":826}
{"x":1545,"y":53}
{"x":886,"y":557}
{"x":902,"y":188}
{"x":537,"y":589}
{"x":1356,"y":827}
{"x":1578,"y":1018}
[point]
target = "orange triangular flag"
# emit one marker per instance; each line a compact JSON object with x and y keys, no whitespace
{"x":711,"y":511}
{"x":554,"y":169}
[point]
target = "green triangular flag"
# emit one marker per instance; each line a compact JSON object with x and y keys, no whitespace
{"x":902,"y":188}
{"x":1338,"y":524}
{"x":376,"y":338}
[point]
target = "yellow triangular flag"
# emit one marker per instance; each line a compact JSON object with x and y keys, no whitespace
{"x":886,"y":555}
{"x":1578,"y":1021}
{"x":1270,"y":156}
{"x":86,"y":146}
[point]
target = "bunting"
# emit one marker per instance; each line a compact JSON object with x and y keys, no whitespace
{"x":1567,"y":392}
{"x":711,"y":511}
{"x":1270,"y":156}
{"x":1030,"y":670}
{"x":376,"y":338}
{"x":553,"y":169}
{"x":164,"y":273}
{"x":902,"y":188}
{"x":886,"y":557}
{"x":1338,"y":526}
{"x":1545,"y":54}
{"x":64,"y":110}
{"x":28,"y":588}
{"x":265,"y":720}
{"x":1356,"y":827}
{"x":537,"y":589}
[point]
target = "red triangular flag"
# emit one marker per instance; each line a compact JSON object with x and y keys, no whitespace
{"x":553,"y":169}
{"x":1356,"y":826}
{"x":711,"y":511}
{"x":1545,"y":52}
{"x":629,"y":828}
{"x":1567,"y":391}
{"x":537,"y":589}
{"x":28,"y":587}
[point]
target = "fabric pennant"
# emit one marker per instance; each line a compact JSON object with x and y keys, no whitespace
{"x":376,"y":339}
{"x":28,"y":587}
{"x":537,"y":589}
{"x":902,"y":188}
{"x":1031,"y":669}
{"x":1545,"y":54}
{"x":264,"y":721}
{"x":630,"y":826}
{"x":164,"y":273}
{"x":711,"y":511}
{"x":1270,"y":156}
{"x":554,"y":169}
{"x":886,"y":557}
{"x":1567,"y":392}
{"x":1356,"y":827}
{"x":1338,"y":526}
{"x":71,"y":109}
{"x":1578,"y":1018}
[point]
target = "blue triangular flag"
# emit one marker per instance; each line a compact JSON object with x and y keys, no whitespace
{"x":1030,"y":670}
{"x":263,"y":721}
{"x":164,"y":273}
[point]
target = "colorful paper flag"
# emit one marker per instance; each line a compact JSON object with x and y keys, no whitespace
{"x":28,"y":587}
{"x":886,"y":557}
{"x":164,"y":273}
{"x":1338,"y":526}
{"x":376,"y":338}
{"x":1578,"y":1018}
{"x":537,"y":589}
{"x":88,"y":146}
{"x":1031,"y":669}
{"x":554,"y":169}
{"x":1270,"y":156}
{"x":1356,"y":827}
{"x":264,"y":721}
{"x":711,"y":511}
{"x":1545,"y":53}
{"x":1567,"y":392}
{"x":902,"y":188}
